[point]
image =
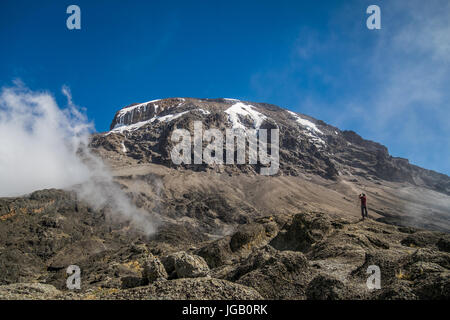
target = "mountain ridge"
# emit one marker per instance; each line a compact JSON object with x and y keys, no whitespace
{"x":312,"y":145}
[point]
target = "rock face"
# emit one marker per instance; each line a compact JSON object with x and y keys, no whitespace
{"x":326,"y":288}
{"x":247,"y":235}
{"x":154,"y":270}
{"x":305,"y":230}
{"x":276,"y":275}
{"x":190,"y":266}
{"x":216,"y":253}
{"x":131,"y":282}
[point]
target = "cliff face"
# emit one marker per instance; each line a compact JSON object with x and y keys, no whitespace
{"x":307,"y":145}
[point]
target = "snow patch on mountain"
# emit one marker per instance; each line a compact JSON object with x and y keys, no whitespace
{"x":315,"y":139}
{"x":183,"y":100}
{"x":238,"y":110}
{"x":120,"y":128}
{"x":311,"y":130}
{"x":206,"y":112}
{"x":132,"y":109}
{"x":305,"y":123}
{"x":231,"y":99}
{"x":169,"y":117}
{"x":126,"y":110}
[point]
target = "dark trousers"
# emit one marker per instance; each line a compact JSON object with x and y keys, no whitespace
{"x":364,"y":208}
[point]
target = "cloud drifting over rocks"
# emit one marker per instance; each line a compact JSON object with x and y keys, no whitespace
{"x":43,"y":146}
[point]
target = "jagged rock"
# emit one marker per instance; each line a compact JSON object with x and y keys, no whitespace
{"x":131,"y":282}
{"x":255,"y":260}
{"x":191,"y":266}
{"x":185,"y":265}
{"x":216,"y":253}
{"x":340,"y":245}
{"x":154,"y":270}
{"x":326,"y":288}
{"x":169,"y":263}
{"x":275,"y":274}
{"x":417,"y":270}
{"x":304,"y":230}
{"x":247,"y":236}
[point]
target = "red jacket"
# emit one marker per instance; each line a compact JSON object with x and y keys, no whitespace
{"x":363,"y":200}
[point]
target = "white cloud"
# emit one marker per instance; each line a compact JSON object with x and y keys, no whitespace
{"x":42,"y":146}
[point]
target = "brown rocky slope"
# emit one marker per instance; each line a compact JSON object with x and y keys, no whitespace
{"x":304,"y":255}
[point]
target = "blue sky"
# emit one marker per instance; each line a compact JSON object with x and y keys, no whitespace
{"x":315,"y":57}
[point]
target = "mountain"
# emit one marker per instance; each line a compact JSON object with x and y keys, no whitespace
{"x":307,"y":145}
{"x":310,"y":149}
{"x":228,"y":232}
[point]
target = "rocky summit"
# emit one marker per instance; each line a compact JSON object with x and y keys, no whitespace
{"x":224,"y":231}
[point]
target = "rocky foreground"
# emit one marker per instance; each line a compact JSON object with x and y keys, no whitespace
{"x":303,"y":255}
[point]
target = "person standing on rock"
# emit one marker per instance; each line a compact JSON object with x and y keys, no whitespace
{"x":362,"y":198}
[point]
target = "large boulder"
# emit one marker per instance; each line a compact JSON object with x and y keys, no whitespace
{"x":275,"y":274}
{"x":216,"y":253}
{"x":184,"y":265}
{"x":248,"y":236}
{"x":305,"y":230}
{"x":154,"y":270}
{"x":131,"y":282}
{"x":325,"y":287}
